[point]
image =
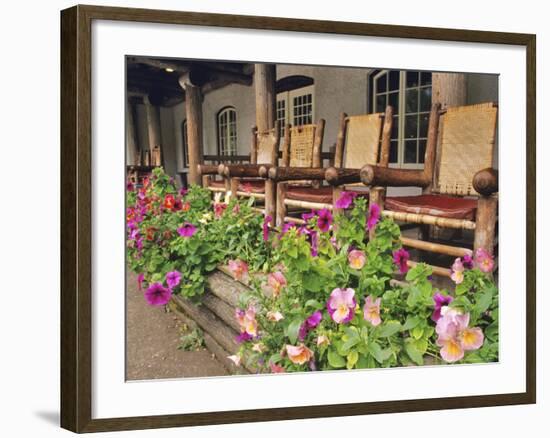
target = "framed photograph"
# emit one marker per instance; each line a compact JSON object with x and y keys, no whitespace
{"x":268,"y":219}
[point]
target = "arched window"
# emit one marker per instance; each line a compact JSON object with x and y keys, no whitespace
{"x":227,"y":131}
{"x":410,"y":95}
{"x":185,"y":144}
{"x":295,"y":101}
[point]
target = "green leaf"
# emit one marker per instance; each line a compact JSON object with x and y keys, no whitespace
{"x":417,"y":332}
{"x":353,"y":357}
{"x":411,"y":322}
{"x":335,"y":360}
{"x":293,"y":330}
{"x":484,"y":301}
{"x":389,"y":328}
{"x":416,"y":350}
{"x":312,"y":282}
{"x":314,"y":304}
{"x":378,"y":353}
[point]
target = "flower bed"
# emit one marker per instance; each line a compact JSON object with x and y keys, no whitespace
{"x":320,"y":295}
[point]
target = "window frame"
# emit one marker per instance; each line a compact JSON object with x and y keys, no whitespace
{"x":287,"y":97}
{"x":226,"y":110}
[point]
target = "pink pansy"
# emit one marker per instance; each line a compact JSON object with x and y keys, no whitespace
{"x":276,"y":368}
{"x":235,"y":358}
{"x":356,"y":259}
{"x":247,"y":320}
{"x":341,"y":305}
{"x":274,"y":316}
{"x":400,"y":258}
{"x":322,"y":340}
{"x":276,"y":280}
{"x":371,"y":311}
{"x":238,"y":268}
{"x":345,"y":200}
{"x":374,"y":216}
{"x":173,"y":279}
{"x":454,"y":335}
{"x":457,"y":271}
{"x":484,"y":260}
{"x":299,"y":354}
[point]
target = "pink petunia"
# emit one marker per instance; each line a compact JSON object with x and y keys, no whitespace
{"x":374,"y":216}
{"x":324,"y":219}
{"x":187,"y":230}
{"x":484,"y":260}
{"x":400,"y":258}
{"x":345,"y":200}
{"x":157,"y":295}
{"x":173,"y":278}
{"x":267,"y":220}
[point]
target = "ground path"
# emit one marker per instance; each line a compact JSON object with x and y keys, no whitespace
{"x":152,"y":340}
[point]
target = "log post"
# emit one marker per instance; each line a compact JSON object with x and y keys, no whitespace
{"x":132,"y":150}
{"x":336,"y":192}
{"x":264,"y":86}
{"x":193,"y":112}
{"x":486,"y":217}
{"x":449,"y":89}
{"x":153,"y":125}
{"x":281,"y":207}
{"x":270,"y":198}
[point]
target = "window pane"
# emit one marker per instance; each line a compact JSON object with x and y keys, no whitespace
{"x":425,"y":99}
{"x":424,"y":120}
{"x":381,"y":83}
{"x":394,"y":80}
{"x":393,"y":152}
{"x":380,"y":103}
{"x":394,"y":101}
{"x":421,"y":150}
{"x":395,"y":128}
{"x":411,"y":126}
{"x":425,"y":78}
{"x":412,"y":79}
{"x":411,"y":101}
{"x":410,"y":151}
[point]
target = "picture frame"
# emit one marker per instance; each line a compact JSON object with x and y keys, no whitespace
{"x":77,"y":168}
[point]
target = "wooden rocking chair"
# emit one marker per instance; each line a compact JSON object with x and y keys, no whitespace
{"x":361,"y":139}
{"x":264,"y":150}
{"x":462,"y":192}
{"x":301,"y":148}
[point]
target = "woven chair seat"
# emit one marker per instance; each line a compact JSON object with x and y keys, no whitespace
{"x":217,"y":184}
{"x":252,"y":185}
{"x":434,"y":205}
{"x":312,"y":194}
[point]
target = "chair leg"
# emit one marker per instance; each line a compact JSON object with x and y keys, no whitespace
{"x":281,"y":206}
{"x":205,"y":180}
{"x":336,"y":192}
{"x":234,"y":186}
{"x":227,"y":182}
{"x":486,"y":218}
{"x":270,"y":198}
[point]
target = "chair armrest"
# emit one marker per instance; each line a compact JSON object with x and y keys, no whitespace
{"x":390,"y":177}
{"x":280,"y":174}
{"x":337,"y":177}
{"x":209,"y":169}
{"x":485,"y":181}
{"x":241,"y":170}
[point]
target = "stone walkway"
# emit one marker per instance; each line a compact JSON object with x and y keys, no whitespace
{"x":152,"y":340}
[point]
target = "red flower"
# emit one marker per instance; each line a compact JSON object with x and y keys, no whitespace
{"x":186,"y":206}
{"x":169,"y":201}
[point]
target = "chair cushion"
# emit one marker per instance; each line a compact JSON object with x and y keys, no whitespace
{"x":218,"y":184}
{"x":312,"y":194}
{"x":252,"y":185}
{"x":434,"y":205}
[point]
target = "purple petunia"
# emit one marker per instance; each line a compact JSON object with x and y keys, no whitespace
{"x":468,"y":261}
{"x":243,"y":337}
{"x":374,"y":216}
{"x":183,"y":192}
{"x":440,"y":300}
{"x":314,"y":243}
{"x":400,"y":258}
{"x":309,"y":324}
{"x":187,"y":230}
{"x":173,"y":278}
{"x":308,"y":216}
{"x":140,"y":280}
{"x":345,"y":200}
{"x":157,"y":295}
{"x":267,"y":221}
{"x":324,"y":219}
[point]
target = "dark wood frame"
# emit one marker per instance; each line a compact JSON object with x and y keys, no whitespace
{"x":76,"y":222}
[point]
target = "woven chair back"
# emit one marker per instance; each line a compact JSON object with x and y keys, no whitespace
{"x":467,"y":141}
{"x":362,"y":140}
{"x":265,"y":147}
{"x":302,"y":140}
